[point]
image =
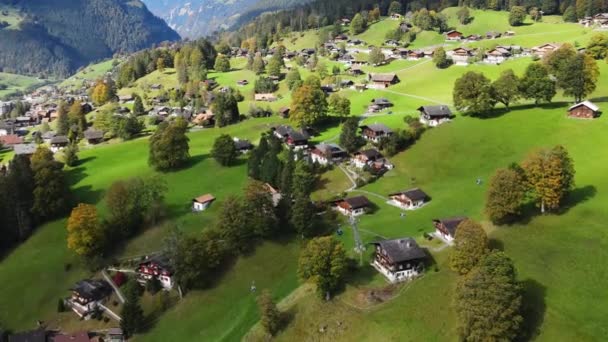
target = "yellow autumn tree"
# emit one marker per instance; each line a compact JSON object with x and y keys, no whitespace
{"x":85,"y":234}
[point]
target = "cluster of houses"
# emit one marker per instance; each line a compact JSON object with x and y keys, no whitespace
{"x":454,"y":35}
{"x":599,"y":20}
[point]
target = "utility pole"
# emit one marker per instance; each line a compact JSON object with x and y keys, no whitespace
{"x":359,"y":247}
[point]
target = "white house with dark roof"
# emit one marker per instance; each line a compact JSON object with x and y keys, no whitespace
{"x":445,"y":228}
{"x":353,"y":206}
{"x":435,"y":115}
{"x":375,"y":132}
{"x":399,"y":259}
{"x":409,"y":199}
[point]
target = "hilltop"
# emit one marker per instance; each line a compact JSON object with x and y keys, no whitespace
{"x":54,"y":38}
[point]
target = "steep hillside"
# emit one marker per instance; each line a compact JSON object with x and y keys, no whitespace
{"x":55,"y":37}
{"x":195,"y":18}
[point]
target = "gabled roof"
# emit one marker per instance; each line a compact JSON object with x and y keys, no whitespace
{"x":401,"y":250}
{"x":59,"y":139}
{"x":440,"y":110}
{"x":378,"y":128}
{"x":372,"y":153}
{"x":414,"y":194}
{"x":453,"y":31}
{"x":587,"y":104}
{"x":357,"y":202}
{"x":11,"y":139}
{"x":93,"y":134}
{"x":383,"y":77}
{"x":92,"y":289}
{"x":242,"y":144}
{"x":451,"y":223}
{"x":206,"y":198}
{"x":26,"y":149}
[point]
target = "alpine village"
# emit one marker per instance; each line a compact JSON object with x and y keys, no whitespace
{"x":347,"y":170}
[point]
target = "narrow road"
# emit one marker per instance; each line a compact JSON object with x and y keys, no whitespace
{"x":411,"y":95}
{"x":369,"y":193}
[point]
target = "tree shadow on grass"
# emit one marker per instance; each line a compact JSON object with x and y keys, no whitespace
{"x":495,"y":244}
{"x":85,"y":160}
{"x":533,"y":309}
{"x":498,"y":112}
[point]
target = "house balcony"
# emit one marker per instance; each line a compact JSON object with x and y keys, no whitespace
{"x":394,"y":277}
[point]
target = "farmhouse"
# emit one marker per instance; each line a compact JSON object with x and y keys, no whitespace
{"x":59,"y":142}
{"x":409,"y":199}
{"x":461,"y":55}
{"x":415,"y":55}
{"x":544,"y":49}
{"x":371,"y":158}
{"x":87,"y":295}
{"x":585,"y":109}
{"x":353,"y":206}
{"x":294,"y":139}
{"x":93,"y":136}
{"x":325,"y":154}
{"x":446,"y":228}
{"x":381,"y":81}
{"x":396,"y":16}
{"x":435,"y":115}
{"x":265,"y":97}
{"x":473,"y":38}
{"x":453,"y":35}
{"x":156,"y":267}
{"x":497,"y":55}
{"x":375,"y":132}
{"x":493,"y":35}
{"x":345,"y":21}
{"x":243,"y":146}
{"x":203,"y":202}
{"x":399,"y":259}
{"x":379,"y":104}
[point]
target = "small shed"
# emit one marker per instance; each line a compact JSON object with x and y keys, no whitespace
{"x":203,"y":202}
{"x":584,"y":110}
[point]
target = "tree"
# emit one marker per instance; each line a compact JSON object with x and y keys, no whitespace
{"x":232,"y":225}
{"x":440,"y":58}
{"x":226,"y":109}
{"x":472,"y":94}
{"x":517,"y":15}
{"x":224,"y":150}
{"x":579,"y":77}
{"x":85,"y":233}
{"x":222,"y":63}
{"x":570,"y":14}
{"x":506,"y":88}
{"x":258,"y":66}
{"x":138,"y":106}
{"x":395,"y":8}
{"x":505,"y":195}
{"x":598,"y":46}
{"x":349,"y":136}
{"x":464,"y":15}
{"x":77,"y":118}
{"x":536,"y":84}
{"x":264,"y":85}
{"x":488,"y":301}
{"x":374,"y":15}
{"x":376,"y":56}
{"x":160,"y":64}
{"x":308,"y":105}
{"x":259,"y":207}
{"x":270,"y":316}
{"x":358,"y":24}
{"x":302,"y":215}
{"x":63,"y":122}
{"x":323,"y":261}
{"x":558,"y":60}
{"x":322,"y":69}
{"x":169,"y":148}
{"x":71,"y":155}
{"x":339,"y":105}
{"x":470,"y":246}
{"x":132,"y":314}
{"x":103,"y":91}
{"x":550,"y":175}
{"x":293,"y":79}
{"x":51,"y":191}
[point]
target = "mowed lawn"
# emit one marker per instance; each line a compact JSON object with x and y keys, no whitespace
{"x":15,"y":83}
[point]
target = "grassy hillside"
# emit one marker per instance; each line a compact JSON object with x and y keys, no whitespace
{"x":17,"y":83}
{"x":89,"y":73}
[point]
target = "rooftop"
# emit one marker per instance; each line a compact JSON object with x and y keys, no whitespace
{"x":403,"y":249}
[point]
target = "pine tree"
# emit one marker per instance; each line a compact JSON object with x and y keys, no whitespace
{"x":258,"y":66}
{"x":358,"y":24}
{"x":222,"y":63}
{"x":293,"y":79}
{"x":226,"y":109}
{"x":132,"y":314}
{"x":63,"y":122}
{"x":349,"y":136}
{"x":470,"y":246}
{"x":138,"y":106}
{"x":51,"y":190}
{"x":302,"y":215}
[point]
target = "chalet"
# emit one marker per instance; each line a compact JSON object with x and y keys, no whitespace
{"x":381,"y":81}
{"x":24,"y":121}
{"x":59,"y":142}
{"x":509,"y":33}
{"x":400,"y":52}
{"x":203,"y":202}
{"x":341,"y":38}
{"x":379,"y":104}
{"x":585,"y":110}
{"x":409,"y":199}
{"x":346,"y":83}
{"x":415,"y":55}
{"x":435,"y":115}
{"x":355,"y":42}
{"x":205,"y":119}
{"x":544,"y":49}
{"x":265,"y":97}
{"x":453,"y":35}
{"x":446,"y":228}
{"x":353,"y":206}
{"x":375,"y":132}
{"x":24,"y":149}
{"x":371,"y":158}
{"x":87,"y":295}
{"x":355,"y":70}
{"x":243,"y":146}
{"x":497,"y":55}
{"x":325,"y":154}
{"x":10,"y":140}
{"x":473,"y":38}
{"x":47,"y":136}
{"x":156,"y":267}
{"x":391,"y":42}
{"x":284,"y":112}
{"x":399,"y":259}
{"x":493,"y":35}
{"x":93,"y":136}
{"x":242,"y":83}
{"x":294,"y":139}
{"x":461,"y":55}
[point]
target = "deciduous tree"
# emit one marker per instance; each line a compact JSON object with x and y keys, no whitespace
{"x":376,"y":56}
{"x":505,"y":195}
{"x":308,"y":105}
{"x":339,"y":105}
{"x":536,"y":84}
{"x":472,"y":94}
{"x":270,"y":316}
{"x":323,"y":261}
{"x":598,"y":46}
{"x":506,"y":88}
{"x":224,"y":150}
{"x":358,"y":24}
{"x":517,"y":15}
{"x":470,"y":246}
{"x":222,"y":63}
{"x":51,"y":191}
{"x":440,"y":58}
{"x":85,"y":233}
{"x":169,"y":147}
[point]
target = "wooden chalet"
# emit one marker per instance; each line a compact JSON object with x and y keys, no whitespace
{"x":10,"y":140}
{"x":544,"y":49}
{"x":325,"y":154}
{"x":379,"y":104}
{"x":409,"y":199}
{"x":59,"y":142}
{"x":375,"y":132}
{"x":201,"y":203}
{"x":399,"y":259}
{"x":156,"y":267}
{"x":371,"y":158}
{"x":86,"y":296}
{"x":473,"y":38}
{"x":353,"y":206}
{"x":415,"y":55}
{"x":453,"y":35}
{"x":242,"y":83}
{"x":584,"y":110}
{"x":381,"y":81}
{"x":265,"y":97}
{"x":446,"y":228}
{"x":461,"y":55}
{"x":435,"y":115}
{"x":243,"y":146}
{"x":93,"y":136}
{"x":493,"y":35}
{"x":497,"y":55}
{"x":296,"y":139}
